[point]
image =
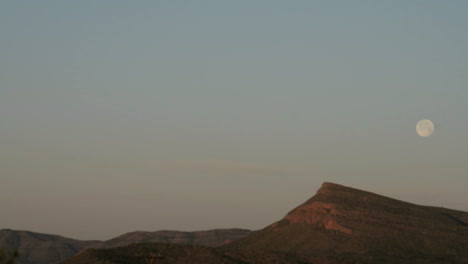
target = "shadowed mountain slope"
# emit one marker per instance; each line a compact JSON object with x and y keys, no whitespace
{"x":177,"y":254}
{"x":186,"y":254}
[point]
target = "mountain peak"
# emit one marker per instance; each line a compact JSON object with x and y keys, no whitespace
{"x":343,"y":220}
{"x":334,"y":188}
{"x":330,"y":187}
{"x":325,"y":208}
{"x":333,"y":204}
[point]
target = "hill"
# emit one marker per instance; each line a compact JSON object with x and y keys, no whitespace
{"x":337,"y":225}
{"x":209,"y":238}
{"x":340,"y":220}
{"x":36,"y":248}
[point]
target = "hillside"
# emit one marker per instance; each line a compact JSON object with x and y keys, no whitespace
{"x":337,"y":225}
{"x":177,"y":254}
{"x":36,"y":248}
{"x":210,"y":238}
{"x":340,"y":220}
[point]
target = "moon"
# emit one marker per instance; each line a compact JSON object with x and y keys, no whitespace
{"x":425,"y":128}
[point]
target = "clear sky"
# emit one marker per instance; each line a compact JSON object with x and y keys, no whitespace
{"x":119,"y":115}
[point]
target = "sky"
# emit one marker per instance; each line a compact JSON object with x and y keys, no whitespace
{"x":118,"y":116}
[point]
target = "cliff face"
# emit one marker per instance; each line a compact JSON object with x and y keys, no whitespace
{"x":357,"y":213}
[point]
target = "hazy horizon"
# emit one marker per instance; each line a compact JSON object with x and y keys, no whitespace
{"x":119,"y":116}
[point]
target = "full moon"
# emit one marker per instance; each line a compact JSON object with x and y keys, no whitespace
{"x":425,"y":128}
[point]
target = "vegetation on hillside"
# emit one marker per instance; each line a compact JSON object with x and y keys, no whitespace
{"x":7,"y":257}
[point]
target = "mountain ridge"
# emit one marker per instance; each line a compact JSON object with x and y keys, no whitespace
{"x":344,"y":220}
{"x":337,"y":225}
{"x":39,"y":248}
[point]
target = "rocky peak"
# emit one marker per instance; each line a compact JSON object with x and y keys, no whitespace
{"x":322,"y":210}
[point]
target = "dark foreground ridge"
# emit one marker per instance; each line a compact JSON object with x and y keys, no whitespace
{"x":337,"y":225}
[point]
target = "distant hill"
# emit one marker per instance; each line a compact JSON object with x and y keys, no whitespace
{"x":36,"y":248}
{"x":338,"y":225}
{"x":210,"y":238}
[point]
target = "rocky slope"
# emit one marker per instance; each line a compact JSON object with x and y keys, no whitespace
{"x":340,"y":220}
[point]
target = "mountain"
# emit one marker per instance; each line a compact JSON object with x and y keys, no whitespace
{"x":338,"y":225}
{"x":340,"y":220}
{"x":36,"y":248}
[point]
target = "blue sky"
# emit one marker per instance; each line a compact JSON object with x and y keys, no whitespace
{"x":224,"y":114}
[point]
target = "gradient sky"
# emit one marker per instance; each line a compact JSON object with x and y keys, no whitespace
{"x":118,"y":116}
